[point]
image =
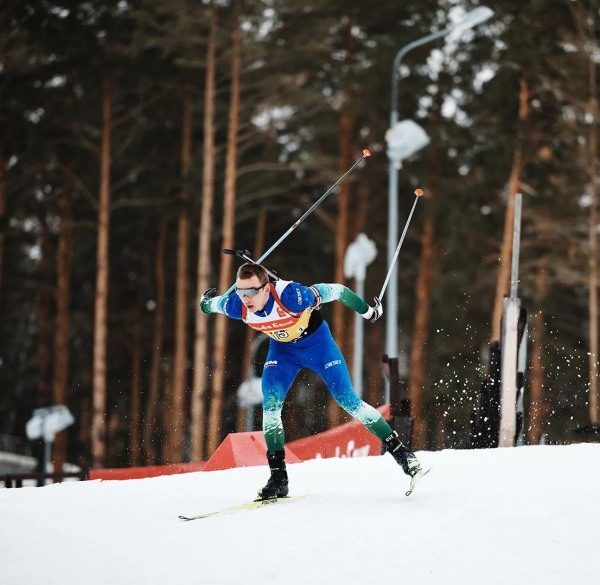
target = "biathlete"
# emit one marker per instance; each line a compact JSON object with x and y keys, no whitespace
{"x":287,"y":312}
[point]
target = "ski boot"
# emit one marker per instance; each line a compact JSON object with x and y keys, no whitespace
{"x":277,"y":486}
{"x":402,"y":454}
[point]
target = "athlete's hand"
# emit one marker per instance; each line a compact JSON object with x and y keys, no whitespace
{"x":377,"y":310}
{"x":205,"y":299}
{"x":209,"y":293}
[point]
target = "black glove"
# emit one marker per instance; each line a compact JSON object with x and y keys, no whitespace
{"x":209,"y":293}
{"x":377,"y":310}
{"x":205,"y":298}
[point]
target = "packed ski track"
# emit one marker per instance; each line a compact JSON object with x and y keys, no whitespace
{"x":524,"y":515}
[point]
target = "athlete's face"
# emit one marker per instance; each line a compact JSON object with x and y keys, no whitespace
{"x":259,"y":300}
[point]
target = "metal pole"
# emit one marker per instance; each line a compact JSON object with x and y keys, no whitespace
{"x":391,"y":331}
{"x":47,"y":455}
{"x":391,"y":334}
{"x":47,"y":449}
{"x":250,"y":418}
{"x":391,"y":324}
{"x":510,"y":341}
{"x":514,"y":273}
{"x":359,"y":322}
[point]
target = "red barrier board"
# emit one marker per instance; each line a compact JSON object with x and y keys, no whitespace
{"x":243,"y":450}
{"x":142,"y":472}
{"x":351,"y":439}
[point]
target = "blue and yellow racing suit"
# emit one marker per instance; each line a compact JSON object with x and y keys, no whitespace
{"x":300,"y":338}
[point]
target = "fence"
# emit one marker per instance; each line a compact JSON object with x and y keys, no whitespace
{"x":16,"y":479}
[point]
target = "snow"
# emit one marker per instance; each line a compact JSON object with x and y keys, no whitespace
{"x":525,"y":515}
{"x":404,"y":139}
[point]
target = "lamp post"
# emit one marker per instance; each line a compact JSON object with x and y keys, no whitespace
{"x":358,"y":256}
{"x":469,"y":20}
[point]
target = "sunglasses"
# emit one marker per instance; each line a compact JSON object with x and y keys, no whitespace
{"x":249,"y":292}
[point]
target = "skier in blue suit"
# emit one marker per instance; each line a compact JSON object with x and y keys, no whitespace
{"x":288,"y":313}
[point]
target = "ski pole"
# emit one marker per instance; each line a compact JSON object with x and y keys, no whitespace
{"x":365,"y":154}
{"x":418,"y":193}
{"x":245,"y":255}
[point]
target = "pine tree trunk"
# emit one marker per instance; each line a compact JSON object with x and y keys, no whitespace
{"x":100,"y":322}
{"x":418,"y":376}
{"x":3,"y":200}
{"x":201,"y":335}
{"x":418,"y":363}
{"x":593,"y":248}
{"x":63,"y":301}
{"x":341,"y":239}
{"x":85,"y":427}
{"x":136,"y":382}
{"x":361,"y":211}
{"x":341,"y":232}
{"x":221,"y":329}
{"x":176,"y":432}
{"x":503,"y":282}
{"x":113,"y":451}
{"x":43,"y":394}
{"x":151,"y":418}
{"x":259,"y":246}
{"x":537,"y":368}
{"x":167,"y":413}
{"x":358,"y":219}
{"x":341,"y":243}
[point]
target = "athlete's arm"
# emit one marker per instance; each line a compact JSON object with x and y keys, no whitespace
{"x":341,"y":293}
{"x":229,"y":305}
{"x":297,"y":297}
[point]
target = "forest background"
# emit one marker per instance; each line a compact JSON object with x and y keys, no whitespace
{"x":138,"y":138}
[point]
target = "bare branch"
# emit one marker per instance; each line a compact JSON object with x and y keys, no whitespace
{"x":140,"y":107}
{"x":139,"y":203}
{"x":82,"y":187}
{"x":266,"y":166}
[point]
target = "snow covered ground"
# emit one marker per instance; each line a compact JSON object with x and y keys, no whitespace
{"x":525,"y":515}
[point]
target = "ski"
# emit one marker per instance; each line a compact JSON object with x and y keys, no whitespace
{"x":249,"y":506}
{"x":415,"y":479}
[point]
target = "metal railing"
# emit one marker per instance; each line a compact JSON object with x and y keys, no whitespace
{"x":12,"y":480}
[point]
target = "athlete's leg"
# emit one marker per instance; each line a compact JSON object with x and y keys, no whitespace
{"x":278,"y":375}
{"x":325,"y":358}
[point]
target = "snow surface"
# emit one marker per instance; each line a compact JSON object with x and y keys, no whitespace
{"x":520,"y":515}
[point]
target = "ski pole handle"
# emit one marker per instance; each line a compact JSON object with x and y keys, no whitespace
{"x":245,"y":255}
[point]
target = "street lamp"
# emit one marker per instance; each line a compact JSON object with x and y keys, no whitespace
{"x":358,"y":256}
{"x":469,"y":20}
